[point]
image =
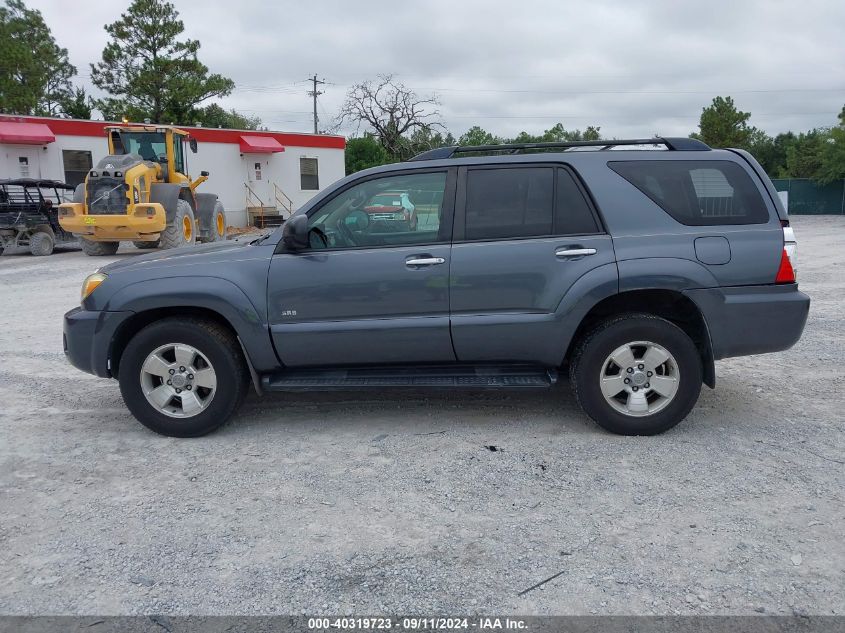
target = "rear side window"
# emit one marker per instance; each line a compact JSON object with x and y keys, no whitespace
{"x":525,"y":202}
{"x":504,"y":203}
{"x":697,"y":193}
{"x":572,"y":215}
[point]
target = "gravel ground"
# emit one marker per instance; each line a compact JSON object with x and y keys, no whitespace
{"x":370,"y":503}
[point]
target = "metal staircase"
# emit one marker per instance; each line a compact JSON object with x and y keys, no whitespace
{"x":272,"y":213}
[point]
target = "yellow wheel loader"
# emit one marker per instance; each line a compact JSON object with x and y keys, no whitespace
{"x":141,"y":192}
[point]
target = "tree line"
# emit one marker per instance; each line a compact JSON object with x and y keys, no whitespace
{"x":149,"y":71}
{"x":393,"y":124}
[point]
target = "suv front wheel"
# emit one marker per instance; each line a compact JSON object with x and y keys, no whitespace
{"x":636,"y":374}
{"x":183,"y":377}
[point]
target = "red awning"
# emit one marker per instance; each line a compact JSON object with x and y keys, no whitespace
{"x":260,"y":145}
{"x":25,"y":133}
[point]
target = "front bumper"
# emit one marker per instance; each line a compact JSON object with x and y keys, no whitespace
{"x":747,"y":320}
{"x":145,"y":222}
{"x":88,"y":337}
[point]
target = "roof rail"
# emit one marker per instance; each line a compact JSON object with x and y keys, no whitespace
{"x":675,"y":144}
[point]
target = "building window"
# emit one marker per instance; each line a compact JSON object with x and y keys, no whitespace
{"x":308,"y":174}
{"x":77,"y":165}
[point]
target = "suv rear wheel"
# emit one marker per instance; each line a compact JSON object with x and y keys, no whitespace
{"x":636,"y":374}
{"x":183,"y":377}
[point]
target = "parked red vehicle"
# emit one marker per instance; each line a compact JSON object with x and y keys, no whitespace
{"x":394,"y":208}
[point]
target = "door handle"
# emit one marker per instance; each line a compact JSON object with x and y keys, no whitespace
{"x":563,"y":253}
{"x":425,"y":261}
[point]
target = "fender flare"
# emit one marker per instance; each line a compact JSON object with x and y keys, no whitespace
{"x":166,"y":194}
{"x":215,"y":294}
{"x":673,"y":273}
{"x":205,"y":210}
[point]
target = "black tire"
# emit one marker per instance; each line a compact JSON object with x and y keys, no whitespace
{"x":146,"y":245}
{"x":98,"y":249}
{"x":173,"y":235}
{"x":41,"y":244}
{"x":224,"y":355}
{"x":217,"y":227}
{"x":593,"y":349}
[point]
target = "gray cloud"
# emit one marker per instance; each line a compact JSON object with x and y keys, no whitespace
{"x":633,"y":68}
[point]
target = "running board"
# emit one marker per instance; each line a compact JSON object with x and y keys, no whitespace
{"x":462,"y":377}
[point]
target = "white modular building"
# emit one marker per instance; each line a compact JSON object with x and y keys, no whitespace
{"x":252,"y":172}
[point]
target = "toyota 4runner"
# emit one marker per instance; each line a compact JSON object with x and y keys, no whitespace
{"x":632,"y":265}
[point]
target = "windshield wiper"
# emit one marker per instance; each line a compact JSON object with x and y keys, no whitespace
{"x":258,"y":240}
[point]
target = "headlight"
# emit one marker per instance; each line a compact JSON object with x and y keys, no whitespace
{"x":399,"y":216}
{"x":90,"y":284}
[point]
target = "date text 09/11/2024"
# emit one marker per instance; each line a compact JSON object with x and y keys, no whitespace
{"x":415,"y":624}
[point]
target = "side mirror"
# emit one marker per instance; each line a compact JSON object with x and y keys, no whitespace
{"x":204,"y":173}
{"x":295,"y":233}
{"x":192,"y":143}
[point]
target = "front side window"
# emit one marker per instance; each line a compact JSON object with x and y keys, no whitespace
{"x":697,"y":193}
{"x":391,"y":211}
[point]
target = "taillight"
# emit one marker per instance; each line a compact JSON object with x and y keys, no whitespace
{"x":786,"y":273}
{"x":788,"y":258}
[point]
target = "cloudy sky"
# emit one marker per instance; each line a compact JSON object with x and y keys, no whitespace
{"x":633,"y":68}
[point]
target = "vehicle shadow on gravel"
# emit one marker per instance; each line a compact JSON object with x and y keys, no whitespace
{"x":416,"y":412}
{"x":425,"y":412}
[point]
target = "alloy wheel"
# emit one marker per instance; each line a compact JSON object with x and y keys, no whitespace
{"x":639,"y":378}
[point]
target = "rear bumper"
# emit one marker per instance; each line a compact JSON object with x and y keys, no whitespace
{"x":752,"y":319}
{"x":88,"y":337}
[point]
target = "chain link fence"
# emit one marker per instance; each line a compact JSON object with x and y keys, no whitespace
{"x":806,"y":197}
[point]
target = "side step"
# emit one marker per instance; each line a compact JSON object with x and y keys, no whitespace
{"x":462,"y":376}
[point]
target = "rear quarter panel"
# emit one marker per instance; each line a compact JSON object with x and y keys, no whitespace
{"x":642,"y":230}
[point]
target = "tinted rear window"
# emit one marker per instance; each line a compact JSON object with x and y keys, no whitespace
{"x":572,"y":215}
{"x":525,"y":202}
{"x":507,"y":203}
{"x":697,"y":193}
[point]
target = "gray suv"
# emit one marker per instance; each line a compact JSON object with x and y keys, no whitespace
{"x":631,"y":265}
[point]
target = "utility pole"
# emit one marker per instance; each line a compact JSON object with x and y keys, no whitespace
{"x":315,"y":93}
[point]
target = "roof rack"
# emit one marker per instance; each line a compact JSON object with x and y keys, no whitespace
{"x":674,"y":144}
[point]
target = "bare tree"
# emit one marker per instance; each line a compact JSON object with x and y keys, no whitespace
{"x":393,"y":112}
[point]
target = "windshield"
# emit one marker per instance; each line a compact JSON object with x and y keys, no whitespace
{"x":149,"y":145}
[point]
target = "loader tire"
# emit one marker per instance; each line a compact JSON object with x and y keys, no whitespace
{"x":147,"y":245}
{"x":217,"y":229}
{"x":182,"y":231}
{"x":98,"y":249}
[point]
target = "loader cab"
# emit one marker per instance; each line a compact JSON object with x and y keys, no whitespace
{"x":164,"y":145}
